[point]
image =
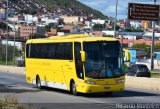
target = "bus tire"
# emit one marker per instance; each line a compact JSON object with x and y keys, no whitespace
{"x":73,"y":88}
{"x":38,"y":82}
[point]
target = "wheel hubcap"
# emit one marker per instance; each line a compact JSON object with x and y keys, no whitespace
{"x":74,"y":88}
{"x":38,"y":84}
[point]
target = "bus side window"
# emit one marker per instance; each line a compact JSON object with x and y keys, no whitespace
{"x":51,"y":51}
{"x":28,"y":49}
{"x":68,"y":51}
{"x":33,"y":51}
{"x":78,"y":63}
{"x":59,"y":53}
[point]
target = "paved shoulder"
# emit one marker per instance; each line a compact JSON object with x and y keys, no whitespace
{"x":12,"y":69}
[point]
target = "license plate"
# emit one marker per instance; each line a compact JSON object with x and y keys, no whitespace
{"x":106,"y":88}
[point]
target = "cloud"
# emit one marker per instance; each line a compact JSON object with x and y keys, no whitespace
{"x":108,"y":7}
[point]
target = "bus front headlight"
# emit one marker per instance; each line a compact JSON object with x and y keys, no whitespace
{"x":90,"y":82}
{"x":120,"y":81}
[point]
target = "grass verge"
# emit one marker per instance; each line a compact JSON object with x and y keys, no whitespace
{"x":4,"y":63}
{"x":155,"y":75}
{"x":10,"y":102}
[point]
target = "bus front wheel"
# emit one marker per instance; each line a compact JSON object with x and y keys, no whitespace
{"x":73,"y":88}
{"x":38,"y":83}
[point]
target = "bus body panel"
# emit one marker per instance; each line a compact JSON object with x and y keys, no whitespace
{"x":50,"y":71}
{"x":58,"y":73}
{"x":103,"y":85}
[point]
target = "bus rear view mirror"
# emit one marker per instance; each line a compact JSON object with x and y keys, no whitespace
{"x":126,"y":55}
{"x":83,"y":56}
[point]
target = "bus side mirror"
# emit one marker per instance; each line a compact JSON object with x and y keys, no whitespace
{"x":127,"y":55}
{"x":83,"y":56}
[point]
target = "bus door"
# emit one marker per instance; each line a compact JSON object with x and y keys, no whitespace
{"x":78,"y":63}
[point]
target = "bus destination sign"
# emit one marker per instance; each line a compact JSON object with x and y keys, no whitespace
{"x":143,"y":12}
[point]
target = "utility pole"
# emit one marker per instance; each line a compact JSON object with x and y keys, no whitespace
{"x":14,"y":44}
{"x":152,"y":45}
{"x":115,"y":20}
{"x":32,"y":32}
{"x":7,"y":35}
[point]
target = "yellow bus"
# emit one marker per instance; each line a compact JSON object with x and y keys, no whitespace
{"x":77,"y":63}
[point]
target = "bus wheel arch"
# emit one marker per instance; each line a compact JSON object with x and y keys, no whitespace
{"x":73,"y":87}
{"x":38,"y":82}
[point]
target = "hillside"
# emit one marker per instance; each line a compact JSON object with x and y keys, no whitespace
{"x":53,"y":7}
{"x":73,"y":5}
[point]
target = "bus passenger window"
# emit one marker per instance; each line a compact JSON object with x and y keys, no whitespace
{"x":68,"y":51}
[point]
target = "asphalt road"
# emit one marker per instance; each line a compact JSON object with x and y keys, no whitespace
{"x":14,"y":85}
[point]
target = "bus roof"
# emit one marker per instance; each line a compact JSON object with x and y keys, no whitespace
{"x":71,"y":38}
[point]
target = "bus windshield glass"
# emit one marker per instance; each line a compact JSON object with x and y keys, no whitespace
{"x":103,"y":59}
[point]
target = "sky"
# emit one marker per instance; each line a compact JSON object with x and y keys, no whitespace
{"x":108,"y":7}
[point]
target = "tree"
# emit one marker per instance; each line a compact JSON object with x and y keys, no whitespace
{"x":146,"y":47}
{"x":117,"y":27}
{"x":137,"y":30}
{"x":35,"y":36}
{"x":133,"y":30}
{"x":128,"y":30}
{"x":48,"y":28}
{"x":157,"y":47}
{"x":33,"y":12}
{"x":24,"y":11}
{"x":143,"y":46}
{"x":3,"y":26}
{"x":10,"y":52}
{"x":98,"y":26}
{"x":104,"y":35}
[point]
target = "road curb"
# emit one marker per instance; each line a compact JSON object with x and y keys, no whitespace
{"x":143,"y":83}
{"x":12,"y":69}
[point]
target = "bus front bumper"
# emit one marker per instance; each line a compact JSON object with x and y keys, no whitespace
{"x":90,"y":88}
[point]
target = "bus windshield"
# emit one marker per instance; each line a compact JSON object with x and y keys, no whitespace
{"x":103,"y":59}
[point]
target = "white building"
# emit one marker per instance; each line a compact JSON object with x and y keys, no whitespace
{"x":98,"y":21}
{"x":44,"y":19}
{"x":55,"y":21}
{"x":107,"y":32}
{"x":60,"y":34}
{"x":70,"y":19}
{"x":150,"y":34}
{"x":2,"y":14}
{"x":35,"y":19}
{"x":88,"y":24}
{"x":47,"y":20}
{"x":13,"y":19}
{"x":28,"y":18}
{"x":135,"y":24}
{"x":131,"y":37}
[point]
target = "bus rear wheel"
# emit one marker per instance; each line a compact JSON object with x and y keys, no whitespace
{"x":38,"y":83}
{"x":73,"y":88}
